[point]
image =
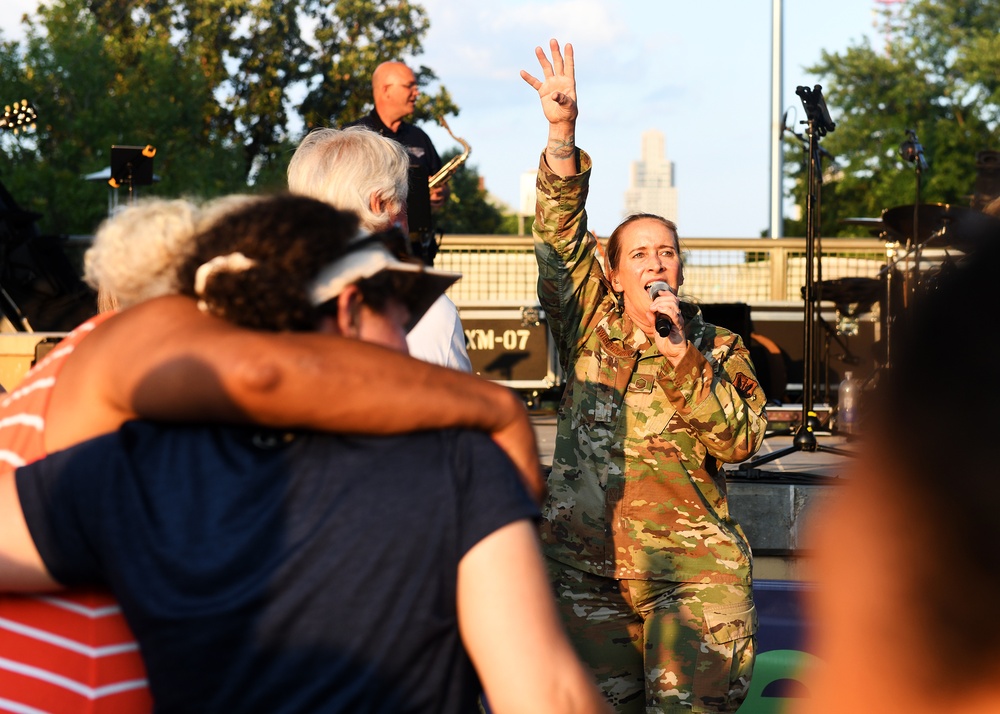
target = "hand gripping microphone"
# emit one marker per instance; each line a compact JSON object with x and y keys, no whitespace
{"x":663,"y":324}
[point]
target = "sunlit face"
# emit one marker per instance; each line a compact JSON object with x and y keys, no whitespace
{"x":358,"y":321}
{"x":649,"y":252}
{"x":400,"y":93}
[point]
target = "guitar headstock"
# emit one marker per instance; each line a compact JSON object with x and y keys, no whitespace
{"x":18,"y":117}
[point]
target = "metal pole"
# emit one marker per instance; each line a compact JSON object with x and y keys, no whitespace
{"x":777,"y":222}
{"x":809,"y":314}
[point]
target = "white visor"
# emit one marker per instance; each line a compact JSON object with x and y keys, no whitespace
{"x":414,"y":284}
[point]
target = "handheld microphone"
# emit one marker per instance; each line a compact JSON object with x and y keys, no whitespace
{"x":663,"y":324}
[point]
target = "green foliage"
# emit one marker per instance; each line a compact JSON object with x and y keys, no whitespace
{"x":211,"y":84}
{"x":354,"y":37}
{"x":940,"y":77}
{"x":468,"y":210}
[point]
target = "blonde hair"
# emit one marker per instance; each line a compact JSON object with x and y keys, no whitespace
{"x":136,"y":252}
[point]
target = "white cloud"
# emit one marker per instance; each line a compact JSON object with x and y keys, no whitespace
{"x":11,"y":12}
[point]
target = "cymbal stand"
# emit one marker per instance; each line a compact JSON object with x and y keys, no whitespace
{"x":819,"y":124}
{"x":892,"y":256}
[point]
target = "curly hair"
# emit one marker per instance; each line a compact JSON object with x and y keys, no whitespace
{"x":135,"y":253}
{"x":285,"y":240}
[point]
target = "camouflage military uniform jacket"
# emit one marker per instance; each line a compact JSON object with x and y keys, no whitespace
{"x":636,"y":491}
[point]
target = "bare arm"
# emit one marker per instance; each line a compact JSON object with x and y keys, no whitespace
{"x":165,"y":360}
{"x":512,"y":631}
{"x":557,"y":92}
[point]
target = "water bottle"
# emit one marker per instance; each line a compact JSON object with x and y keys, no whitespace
{"x":847,"y":405}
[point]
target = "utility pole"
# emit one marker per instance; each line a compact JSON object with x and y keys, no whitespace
{"x":777,"y":122}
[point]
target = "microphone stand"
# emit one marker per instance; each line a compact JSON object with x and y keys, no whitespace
{"x":819,"y":124}
{"x":912,"y":151}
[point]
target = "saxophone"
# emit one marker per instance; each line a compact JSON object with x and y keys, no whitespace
{"x":448,"y":170}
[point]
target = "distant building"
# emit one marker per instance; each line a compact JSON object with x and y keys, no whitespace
{"x":526,"y":211}
{"x":651,"y":188}
{"x":527,"y":192}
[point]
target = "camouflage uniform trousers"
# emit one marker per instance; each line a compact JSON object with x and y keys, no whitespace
{"x":658,"y":646}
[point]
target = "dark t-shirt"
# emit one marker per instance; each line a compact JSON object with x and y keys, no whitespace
{"x":280,"y":573}
{"x":417,"y":143}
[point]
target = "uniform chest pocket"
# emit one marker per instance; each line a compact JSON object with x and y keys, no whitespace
{"x":607,"y":372}
{"x":646,"y":406}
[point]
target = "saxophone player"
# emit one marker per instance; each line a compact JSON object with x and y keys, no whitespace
{"x":394,"y":93}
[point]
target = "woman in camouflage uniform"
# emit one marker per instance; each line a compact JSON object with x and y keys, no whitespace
{"x":652,"y":573}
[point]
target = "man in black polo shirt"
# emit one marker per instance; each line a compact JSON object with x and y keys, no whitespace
{"x":394,"y":91}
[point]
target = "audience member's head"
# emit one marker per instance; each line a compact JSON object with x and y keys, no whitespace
{"x":353,"y":169}
{"x":135,"y":252}
{"x":289,"y":262}
{"x":908,"y":563}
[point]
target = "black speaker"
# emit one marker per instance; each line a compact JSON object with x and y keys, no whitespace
{"x":734,"y":316}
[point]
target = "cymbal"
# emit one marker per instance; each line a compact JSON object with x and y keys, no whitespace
{"x":860,"y":292}
{"x":869,"y":222}
{"x":941,"y":224}
{"x":875,"y":226}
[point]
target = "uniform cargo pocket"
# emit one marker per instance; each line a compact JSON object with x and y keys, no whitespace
{"x":727,"y":623}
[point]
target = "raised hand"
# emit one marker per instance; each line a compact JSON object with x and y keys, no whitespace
{"x":558,"y":88}
{"x":558,"y":95}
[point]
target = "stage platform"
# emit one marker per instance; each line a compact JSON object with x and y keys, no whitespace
{"x":774,"y":501}
{"x":815,"y":467}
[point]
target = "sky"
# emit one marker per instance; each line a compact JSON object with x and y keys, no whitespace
{"x":699,"y":72}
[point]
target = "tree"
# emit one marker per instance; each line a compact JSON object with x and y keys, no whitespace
{"x":210,"y":83}
{"x":354,"y":37}
{"x":92,"y":92}
{"x":469,"y":210}
{"x":938,"y":76}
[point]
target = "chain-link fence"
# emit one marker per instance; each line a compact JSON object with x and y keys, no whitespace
{"x":501,"y":269}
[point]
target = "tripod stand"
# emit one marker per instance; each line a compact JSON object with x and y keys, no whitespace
{"x":819,"y":124}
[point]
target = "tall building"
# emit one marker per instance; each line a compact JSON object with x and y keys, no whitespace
{"x":651,"y":188}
